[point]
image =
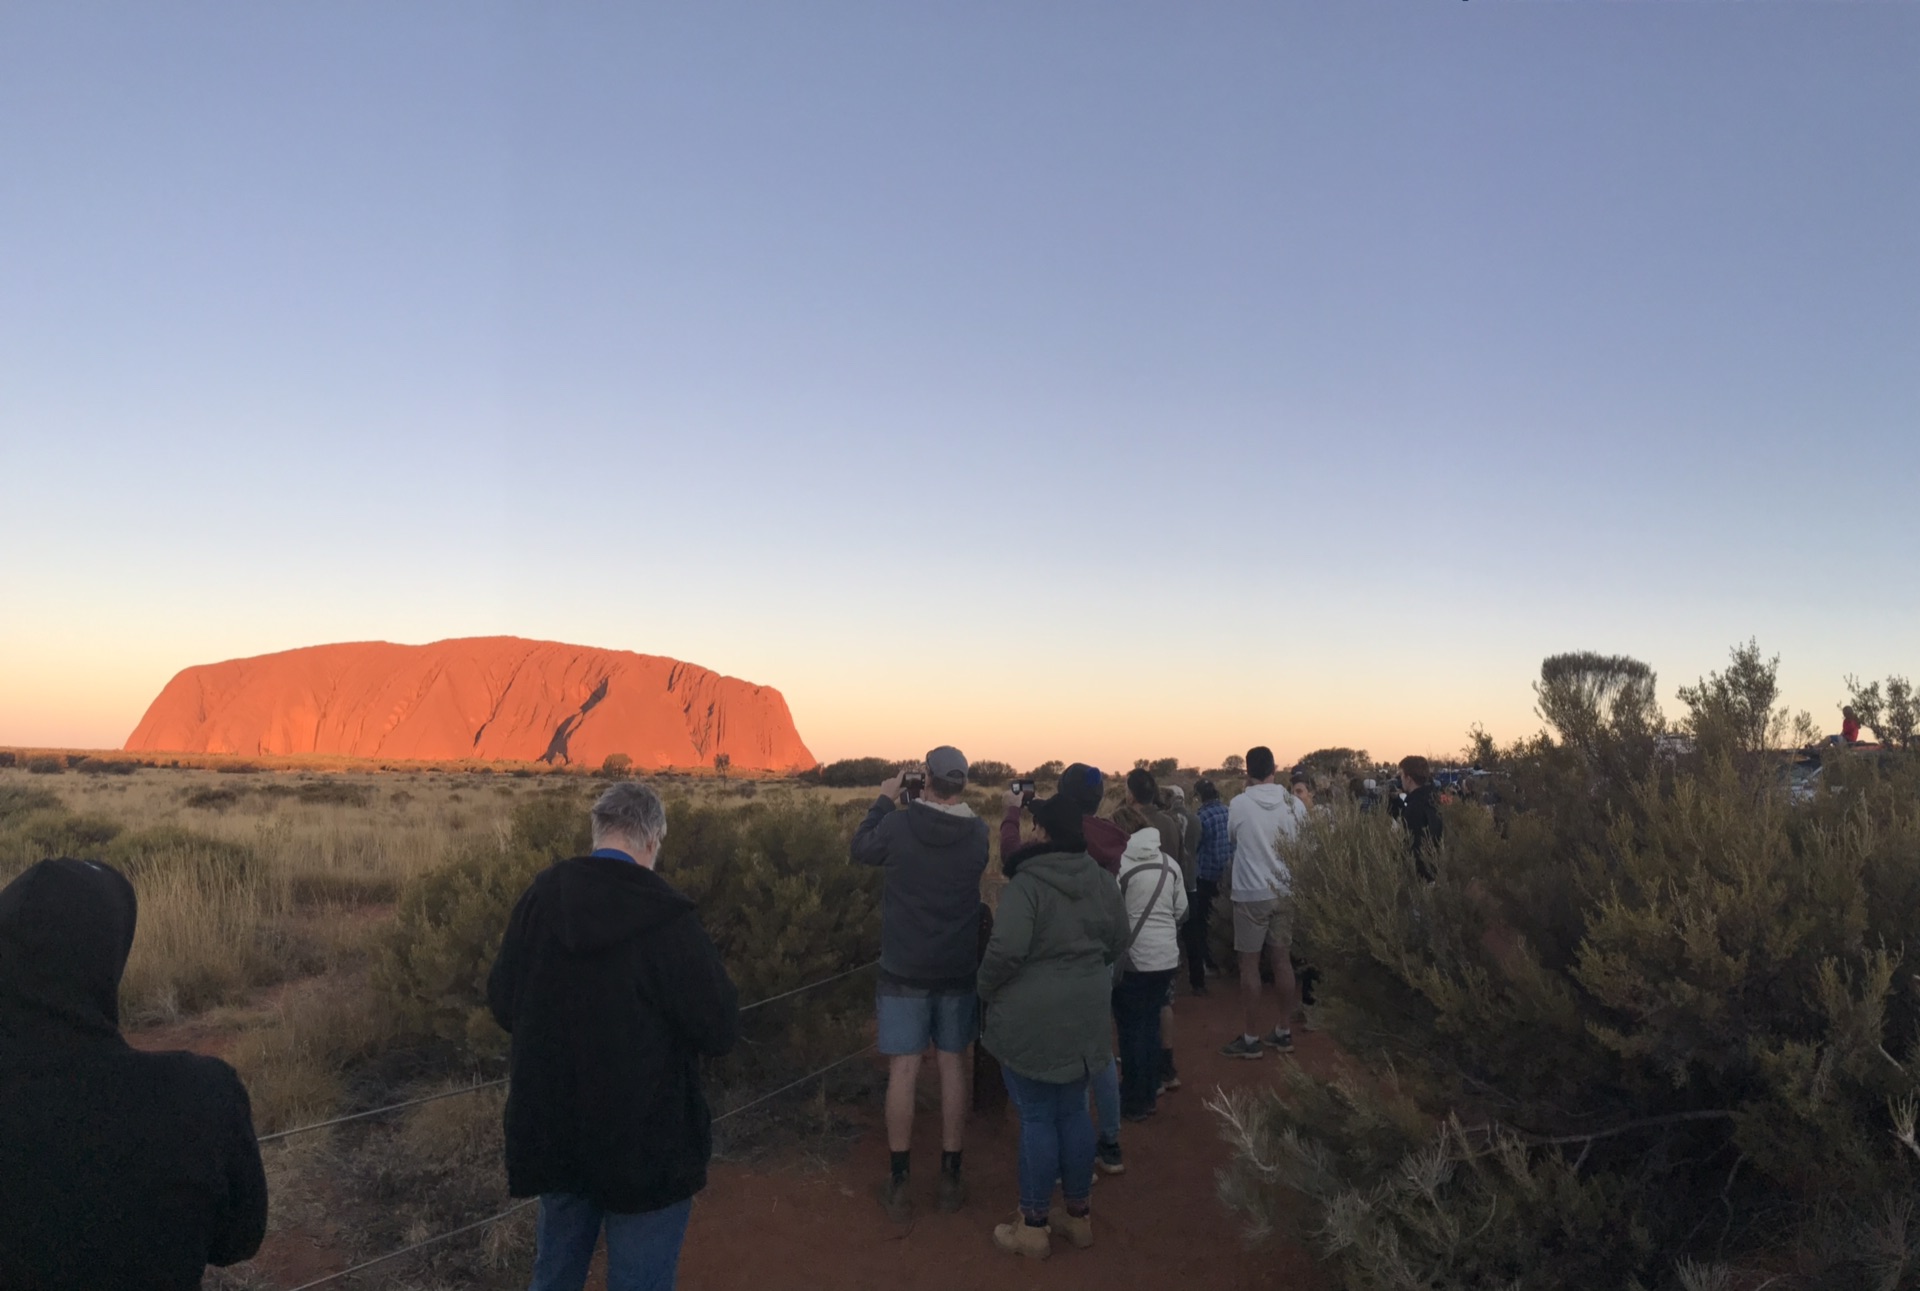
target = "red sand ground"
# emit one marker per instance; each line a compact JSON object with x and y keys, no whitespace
{"x":773,"y":1228}
{"x":1160,"y":1225}
{"x":495,"y":698}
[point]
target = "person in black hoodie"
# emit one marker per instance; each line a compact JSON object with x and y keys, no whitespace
{"x":1420,"y":813}
{"x":118,"y":1169}
{"x":612,"y":992}
{"x":934,"y":850}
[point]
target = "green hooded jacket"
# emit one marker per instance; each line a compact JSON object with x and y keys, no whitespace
{"x":1047,"y":977}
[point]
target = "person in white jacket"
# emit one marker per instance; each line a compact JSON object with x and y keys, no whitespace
{"x":1156,"y":896}
{"x":1262,"y":897}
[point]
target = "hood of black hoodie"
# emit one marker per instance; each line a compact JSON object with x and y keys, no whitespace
{"x":66,"y":927}
{"x":601,"y":901}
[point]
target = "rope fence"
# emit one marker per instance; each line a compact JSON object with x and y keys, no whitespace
{"x":495,"y":1084}
{"x":518,"y":1206}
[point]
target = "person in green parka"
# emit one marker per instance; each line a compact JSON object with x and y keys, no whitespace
{"x":1046,"y":984}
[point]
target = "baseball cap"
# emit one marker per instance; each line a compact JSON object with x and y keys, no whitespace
{"x":947,"y":765}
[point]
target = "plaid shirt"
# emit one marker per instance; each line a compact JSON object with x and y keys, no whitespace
{"x":1216,"y":849}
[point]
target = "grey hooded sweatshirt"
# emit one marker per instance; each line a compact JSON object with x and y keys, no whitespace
{"x":930,"y":913}
{"x":1256,"y":822}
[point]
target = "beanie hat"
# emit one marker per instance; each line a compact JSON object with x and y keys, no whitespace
{"x":1085,"y":786}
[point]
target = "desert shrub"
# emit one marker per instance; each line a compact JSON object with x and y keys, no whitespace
{"x":772,"y":880}
{"x":1636,"y":1033}
{"x":211,"y":799}
{"x":237,"y":768}
{"x":35,"y":834}
{"x":106,"y":766}
{"x":851,"y":773}
{"x":990,"y":773}
{"x":618,"y":766}
{"x":8,"y":758}
{"x":334,"y":793}
{"x":46,"y":764}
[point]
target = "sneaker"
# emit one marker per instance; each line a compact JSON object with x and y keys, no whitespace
{"x":1281,"y":1039}
{"x":1077,"y":1229}
{"x":1018,"y":1237}
{"x":1171,"y":1083}
{"x":896,"y":1198}
{"x":1107,"y":1159}
{"x":953,"y":1192}
{"x":1137,"y":1117}
{"x":1241,"y":1047}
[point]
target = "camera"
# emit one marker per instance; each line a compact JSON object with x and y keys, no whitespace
{"x":914,"y":782}
{"x":1025,"y":789}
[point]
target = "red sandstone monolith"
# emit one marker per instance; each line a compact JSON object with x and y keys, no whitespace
{"x":494,"y":698}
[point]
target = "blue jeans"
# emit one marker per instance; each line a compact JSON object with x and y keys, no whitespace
{"x":1137,"y":1001}
{"x":643,"y":1250}
{"x":1056,"y":1141}
{"x":1106,"y":1101}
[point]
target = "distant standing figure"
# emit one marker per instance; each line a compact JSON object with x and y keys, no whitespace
{"x":1262,"y":895}
{"x":1420,"y":813}
{"x":613,"y":993}
{"x":933,"y":850}
{"x":118,"y":1169}
{"x":1211,"y":861}
{"x":1046,"y":982}
{"x":1156,"y":906}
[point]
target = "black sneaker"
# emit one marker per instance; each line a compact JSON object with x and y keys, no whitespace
{"x":1280,"y":1039}
{"x":1106,"y":1158}
{"x":1241,"y":1047}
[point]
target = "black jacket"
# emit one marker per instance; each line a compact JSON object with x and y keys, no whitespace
{"x":613,"y":992}
{"x":1420,"y":814}
{"x":930,"y":912}
{"x":118,"y":1169}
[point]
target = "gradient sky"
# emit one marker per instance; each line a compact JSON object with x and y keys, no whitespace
{"x":1089,"y":380}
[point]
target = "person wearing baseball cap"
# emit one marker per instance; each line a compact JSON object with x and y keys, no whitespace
{"x":933,"y":850}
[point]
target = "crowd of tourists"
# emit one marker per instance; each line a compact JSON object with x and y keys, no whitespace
{"x":123,"y":1169}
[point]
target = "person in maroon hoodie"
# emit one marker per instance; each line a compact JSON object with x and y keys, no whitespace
{"x":1106,"y":843}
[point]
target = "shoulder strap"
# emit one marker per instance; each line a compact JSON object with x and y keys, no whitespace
{"x":1153,"y":900}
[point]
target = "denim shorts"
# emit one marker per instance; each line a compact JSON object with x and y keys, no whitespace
{"x":910,"y":1017}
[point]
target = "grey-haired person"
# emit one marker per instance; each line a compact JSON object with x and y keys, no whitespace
{"x":613,"y":993}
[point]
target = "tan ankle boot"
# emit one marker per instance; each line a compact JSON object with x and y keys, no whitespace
{"x":1078,"y":1230}
{"x":1017,"y":1237}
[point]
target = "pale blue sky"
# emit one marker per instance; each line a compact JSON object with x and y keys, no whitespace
{"x":1069,"y":380}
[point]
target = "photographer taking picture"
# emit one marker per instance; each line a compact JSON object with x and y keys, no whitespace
{"x":933,"y":850}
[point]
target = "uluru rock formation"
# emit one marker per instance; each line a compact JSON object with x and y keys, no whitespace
{"x":494,"y":698}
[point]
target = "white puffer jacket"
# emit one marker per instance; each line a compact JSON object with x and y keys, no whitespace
{"x":1158,"y":946}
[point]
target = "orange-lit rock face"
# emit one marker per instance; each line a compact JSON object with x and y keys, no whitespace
{"x":480,"y":697}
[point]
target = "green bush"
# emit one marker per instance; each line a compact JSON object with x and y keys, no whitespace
{"x":46,"y":764}
{"x":851,"y":773}
{"x":775,"y":888}
{"x":988,"y":772}
{"x":1654,"y":1031}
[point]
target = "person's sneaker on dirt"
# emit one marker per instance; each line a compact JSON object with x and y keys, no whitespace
{"x":1244,"y":1046}
{"x":1077,"y":1229}
{"x":1022,"y":1235}
{"x":1280,"y":1038}
{"x":953,"y":1189}
{"x":896,"y":1198}
{"x":1107,"y":1158}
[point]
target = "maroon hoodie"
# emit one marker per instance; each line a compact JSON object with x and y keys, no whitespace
{"x":1106,"y":841}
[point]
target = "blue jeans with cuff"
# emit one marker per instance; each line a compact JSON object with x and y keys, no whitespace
{"x":1056,"y":1141}
{"x":643,"y":1250}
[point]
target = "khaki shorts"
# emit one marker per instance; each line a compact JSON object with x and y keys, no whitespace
{"x":1262,"y":923}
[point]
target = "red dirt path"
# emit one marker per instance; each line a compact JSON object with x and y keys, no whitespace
{"x":1160,"y":1225}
